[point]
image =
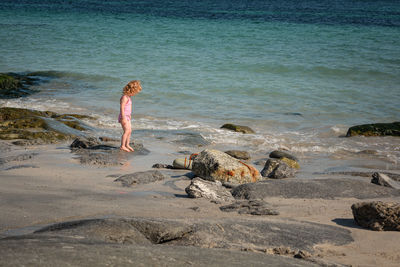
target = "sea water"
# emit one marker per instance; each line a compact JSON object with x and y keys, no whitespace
{"x":300,"y":73}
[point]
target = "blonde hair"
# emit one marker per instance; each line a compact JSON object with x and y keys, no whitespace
{"x":132,"y":88}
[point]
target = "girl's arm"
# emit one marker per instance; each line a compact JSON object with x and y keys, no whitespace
{"x":123,"y":102}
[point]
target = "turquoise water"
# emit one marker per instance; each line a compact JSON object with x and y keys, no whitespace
{"x":298,"y":72}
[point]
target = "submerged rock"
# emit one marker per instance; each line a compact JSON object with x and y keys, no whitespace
{"x":140,"y":178}
{"x":40,"y":126}
{"x":238,"y":128}
{"x":216,"y":165}
{"x":384,"y":180}
{"x":214,"y":191}
{"x":253,"y":207}
{"x":238,"y":154}
{"x":14,"y":85}
{"x":375,"y":129}
{"x":377,"y":215}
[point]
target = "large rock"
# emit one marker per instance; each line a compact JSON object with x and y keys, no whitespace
{"x":377,"y":215}
{"x":216,"y":165}
{"x":238,"y":128}
{"x":140,"y":178}
{"x":253,"y":207}
{"x":384,"y":180}
{"x":214,"y":191}
{"x":375,"y":129}
{"x":313,"y":188}
{"x":278,"y":169}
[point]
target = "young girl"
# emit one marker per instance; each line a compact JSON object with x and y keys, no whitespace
{"x":131,"y":89}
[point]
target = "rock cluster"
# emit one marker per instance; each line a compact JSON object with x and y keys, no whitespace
{"x":280,"y":165}
{"x":13,"y":85}
{"x":214,"y":165}
{"x":377,"y":215}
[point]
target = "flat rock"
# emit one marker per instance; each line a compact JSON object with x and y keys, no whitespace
{"x":216,"y":165}
{"x":253,"y":207}
{"x":384,"y":180}
{"x":140,"y":178}
{"x":238,"y":154}
{"x":313,"y":188}
{"x":214,"y":191}
{"x":377,"y":215}
{"x":223,"y":234}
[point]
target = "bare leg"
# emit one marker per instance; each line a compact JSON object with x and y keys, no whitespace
{"x":126,"y":126}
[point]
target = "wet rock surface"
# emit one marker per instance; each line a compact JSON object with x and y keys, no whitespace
{"x":277,"y":169}
{"x":252,"y":207}
{"x":375,"y":129}
{"x":91,"y":151}
{"x":13,"y":85}
{"x":312,"y":188}
{"x":216,"y":165}
{"x":214,"y":191}
{"x":278,"y":154}
{"x":136,"y":178}
{"x":377,"y":215}
{"x":40,"y":127}
{"x":238,"y":128}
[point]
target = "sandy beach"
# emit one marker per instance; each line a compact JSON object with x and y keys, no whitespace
{"x":50,"y":186}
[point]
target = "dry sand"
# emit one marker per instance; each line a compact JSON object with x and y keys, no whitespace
{"x":53,"y":187}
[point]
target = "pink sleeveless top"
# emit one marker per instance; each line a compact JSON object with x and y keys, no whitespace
{"x":127,"y":110}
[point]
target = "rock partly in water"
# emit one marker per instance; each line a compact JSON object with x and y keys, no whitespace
{"x":375,"y":129}
{"x":182,"y":163}
{"x":216,"y":165}
{"x":278,"y":154}
{"x":238,"y":128}
{"x":40,"y":126}
{"x":384,"y":180}
{"x":13,"y":85}
{"x":253,"y":207}
{"x":146,"y":177}
{"x":278,"y":169}
{"x":377,"y":215}
{"x":313,"y":188}
{"x":214,"y":191}
{"x":162,"y":166}
{"x":238,"y":154}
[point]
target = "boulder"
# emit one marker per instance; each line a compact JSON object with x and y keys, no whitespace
{"x":238,"y":128}
{"x":375,"y":129}
{"x":377,"y":215}
{"x":384,"y":180}
{"x":277,"y":169}
{"x":214,"y":191}
{"x":216,"y":165}
{"x":238,"y":154}
{"x":253,"y":207}
{"x":182,"y":163}
{"x":140,"y":178}
{"x":277,"y":154}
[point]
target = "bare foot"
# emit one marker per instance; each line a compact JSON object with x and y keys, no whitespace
{"x":124,"y":149}
{"x":130,"y":148}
